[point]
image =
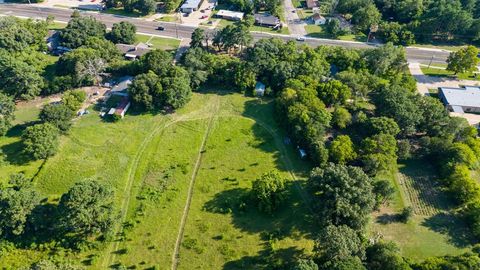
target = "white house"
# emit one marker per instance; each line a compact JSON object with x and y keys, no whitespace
{"x":318,"y":19}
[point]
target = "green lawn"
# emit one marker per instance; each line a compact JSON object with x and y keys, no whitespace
{"x":317,"y":31}
{"x":168,"y":18}
{"x":445,"y":73}
{"x":120,"y":11}
{"x":57,"y":26}
{"x":304,"y":13}
{"x":434,"y":230}
{"x":283,"y":31}
{"x":149,"y":160}
{"x":159,"y":42}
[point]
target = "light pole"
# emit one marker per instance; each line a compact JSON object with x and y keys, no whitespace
{"x":431,"y":60}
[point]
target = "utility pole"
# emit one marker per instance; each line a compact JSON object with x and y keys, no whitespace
{"x":431,"y":60}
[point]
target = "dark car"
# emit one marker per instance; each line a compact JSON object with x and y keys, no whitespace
{"x":160,"y":28}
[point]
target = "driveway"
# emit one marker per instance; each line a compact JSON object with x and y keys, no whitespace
{"x":193,"y":18}
{"x":295,"y":24}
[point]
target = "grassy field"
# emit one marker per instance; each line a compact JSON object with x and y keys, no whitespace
{"x":437,"y":72}
{"x":159,"y":42}
{"x":149,"y":159}
{"x":317,"y":31}
{"x":122,"y":12}
{"x":433,"y":223}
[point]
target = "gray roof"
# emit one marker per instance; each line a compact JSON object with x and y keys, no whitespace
{"x":133,"y":50}
{"x":122,"y":84}
{"x":266,"y":19}
{"x":464,"y":97}
{"x":191,"y":4}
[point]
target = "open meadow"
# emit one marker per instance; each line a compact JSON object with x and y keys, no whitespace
{"x":221,"y":142}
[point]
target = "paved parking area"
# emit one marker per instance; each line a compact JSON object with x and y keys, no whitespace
{"x":194,"y":18}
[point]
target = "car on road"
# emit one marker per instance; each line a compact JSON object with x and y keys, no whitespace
{"x":300,"y":39}
{"x":204,"y":17}
{"x":160,"y":28}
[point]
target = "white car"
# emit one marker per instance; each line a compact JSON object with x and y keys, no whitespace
{"x":300,"y":39}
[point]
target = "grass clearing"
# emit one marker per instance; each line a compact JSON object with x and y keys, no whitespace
{"x":437,"y":72}
{"x":121,"y":12}
{"x":433,"y":223}
{"x":162,"y":43}
{"x":317,"y":31}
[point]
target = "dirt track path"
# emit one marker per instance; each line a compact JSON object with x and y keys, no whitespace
{"x":198,"y":162}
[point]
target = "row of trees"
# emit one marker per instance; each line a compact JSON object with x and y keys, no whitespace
{"x":407,"y":21}
{"x":86,"y":209}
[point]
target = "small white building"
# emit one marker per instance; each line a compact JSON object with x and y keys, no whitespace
{"x":190,"y":6}
{"x":229,"y":15}
{"x":260,"y":89}
{"x":318,"y":19}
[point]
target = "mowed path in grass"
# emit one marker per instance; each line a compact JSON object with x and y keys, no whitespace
{"x":249,"y":151}
{"x":433,"y":230}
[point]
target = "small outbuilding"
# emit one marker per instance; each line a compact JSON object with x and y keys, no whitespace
{"x":260,"y":89}
{"x":302,"y":152}
{"x":318,"y":19}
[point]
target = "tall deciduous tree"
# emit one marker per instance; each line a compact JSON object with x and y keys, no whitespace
{"x":123,"y":32}
{"x":343,"y":194}
{"x":198,"y":36}
{"x":40,"y":141}
{"x":87,"y":208}
{"x":16,"y":205}
{"x":463,"y":60}
{"x":80,"y":29}
{"x":341,"y":150}
{"x":269,"y":191}
{"x":58,"y":115}
{"x":7,"y":113}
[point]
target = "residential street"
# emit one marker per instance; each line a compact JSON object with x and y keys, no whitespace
{"x":296,"y":26}
{"x":173,"y":30}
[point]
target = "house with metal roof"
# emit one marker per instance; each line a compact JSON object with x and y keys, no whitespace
{"x":259,"y":89}
{"x":190,"y":6}
{"x":461,"y":100}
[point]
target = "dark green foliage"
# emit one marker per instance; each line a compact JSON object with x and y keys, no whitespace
{"x":87,"y":208}
{"x":406,"y":214}
{"x":396,"y":33}
{"x":342,"y":150}
{"x":40,"y":141}
{"x":123,"y":32}
{"x":383,"y":190}
{"x":19,"y":35}
{"x":146,"y":91}
{"x":382,"y":125}
{"x":463,"y":60}
{"x":303,"y":264}
{"x":341,"y":118}
{"x":386,"y":60}
{"x":465,"y":261}
{"x":343,"y":195}
{"x":58,"y":115}
{"x":84,"y":65}
{"x":17,"y":78}
{"x":385,"y":256}
{"x":7,"y":113}
{"x":104,"y":49}
{"x":269,"y":191}
{"x":379,"y":153}
{"x":338,"y":243}
{"x":231,"y":36}
{"x":333,"y":92}
{"x":198,"y":36}
{"x":158,"y":61}
{"x":79,"y":30}
{"x":16,"y":205}
{"x":73,"y":99}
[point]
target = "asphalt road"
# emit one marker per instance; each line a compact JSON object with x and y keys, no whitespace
{"x":182,"y":31}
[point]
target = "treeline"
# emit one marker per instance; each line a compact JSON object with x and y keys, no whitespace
{"x":407,"y":21}
{"x":355,"y":112}
{"x":144,"y":7}
{"x":273,"y":7}
{"x":86,"y":210}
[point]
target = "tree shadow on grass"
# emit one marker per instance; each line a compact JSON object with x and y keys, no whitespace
{"x":266,"y":259}
{"x":452,"y":226}
{"x":14,"y":151}
{"x":292,"y":219}
{"x":267,"y":128}
{"x":389,"y":218}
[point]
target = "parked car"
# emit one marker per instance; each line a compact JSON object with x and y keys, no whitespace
{"x":202,"y":11}
{"x":160,"y":28}
{"x":204,"y":17}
